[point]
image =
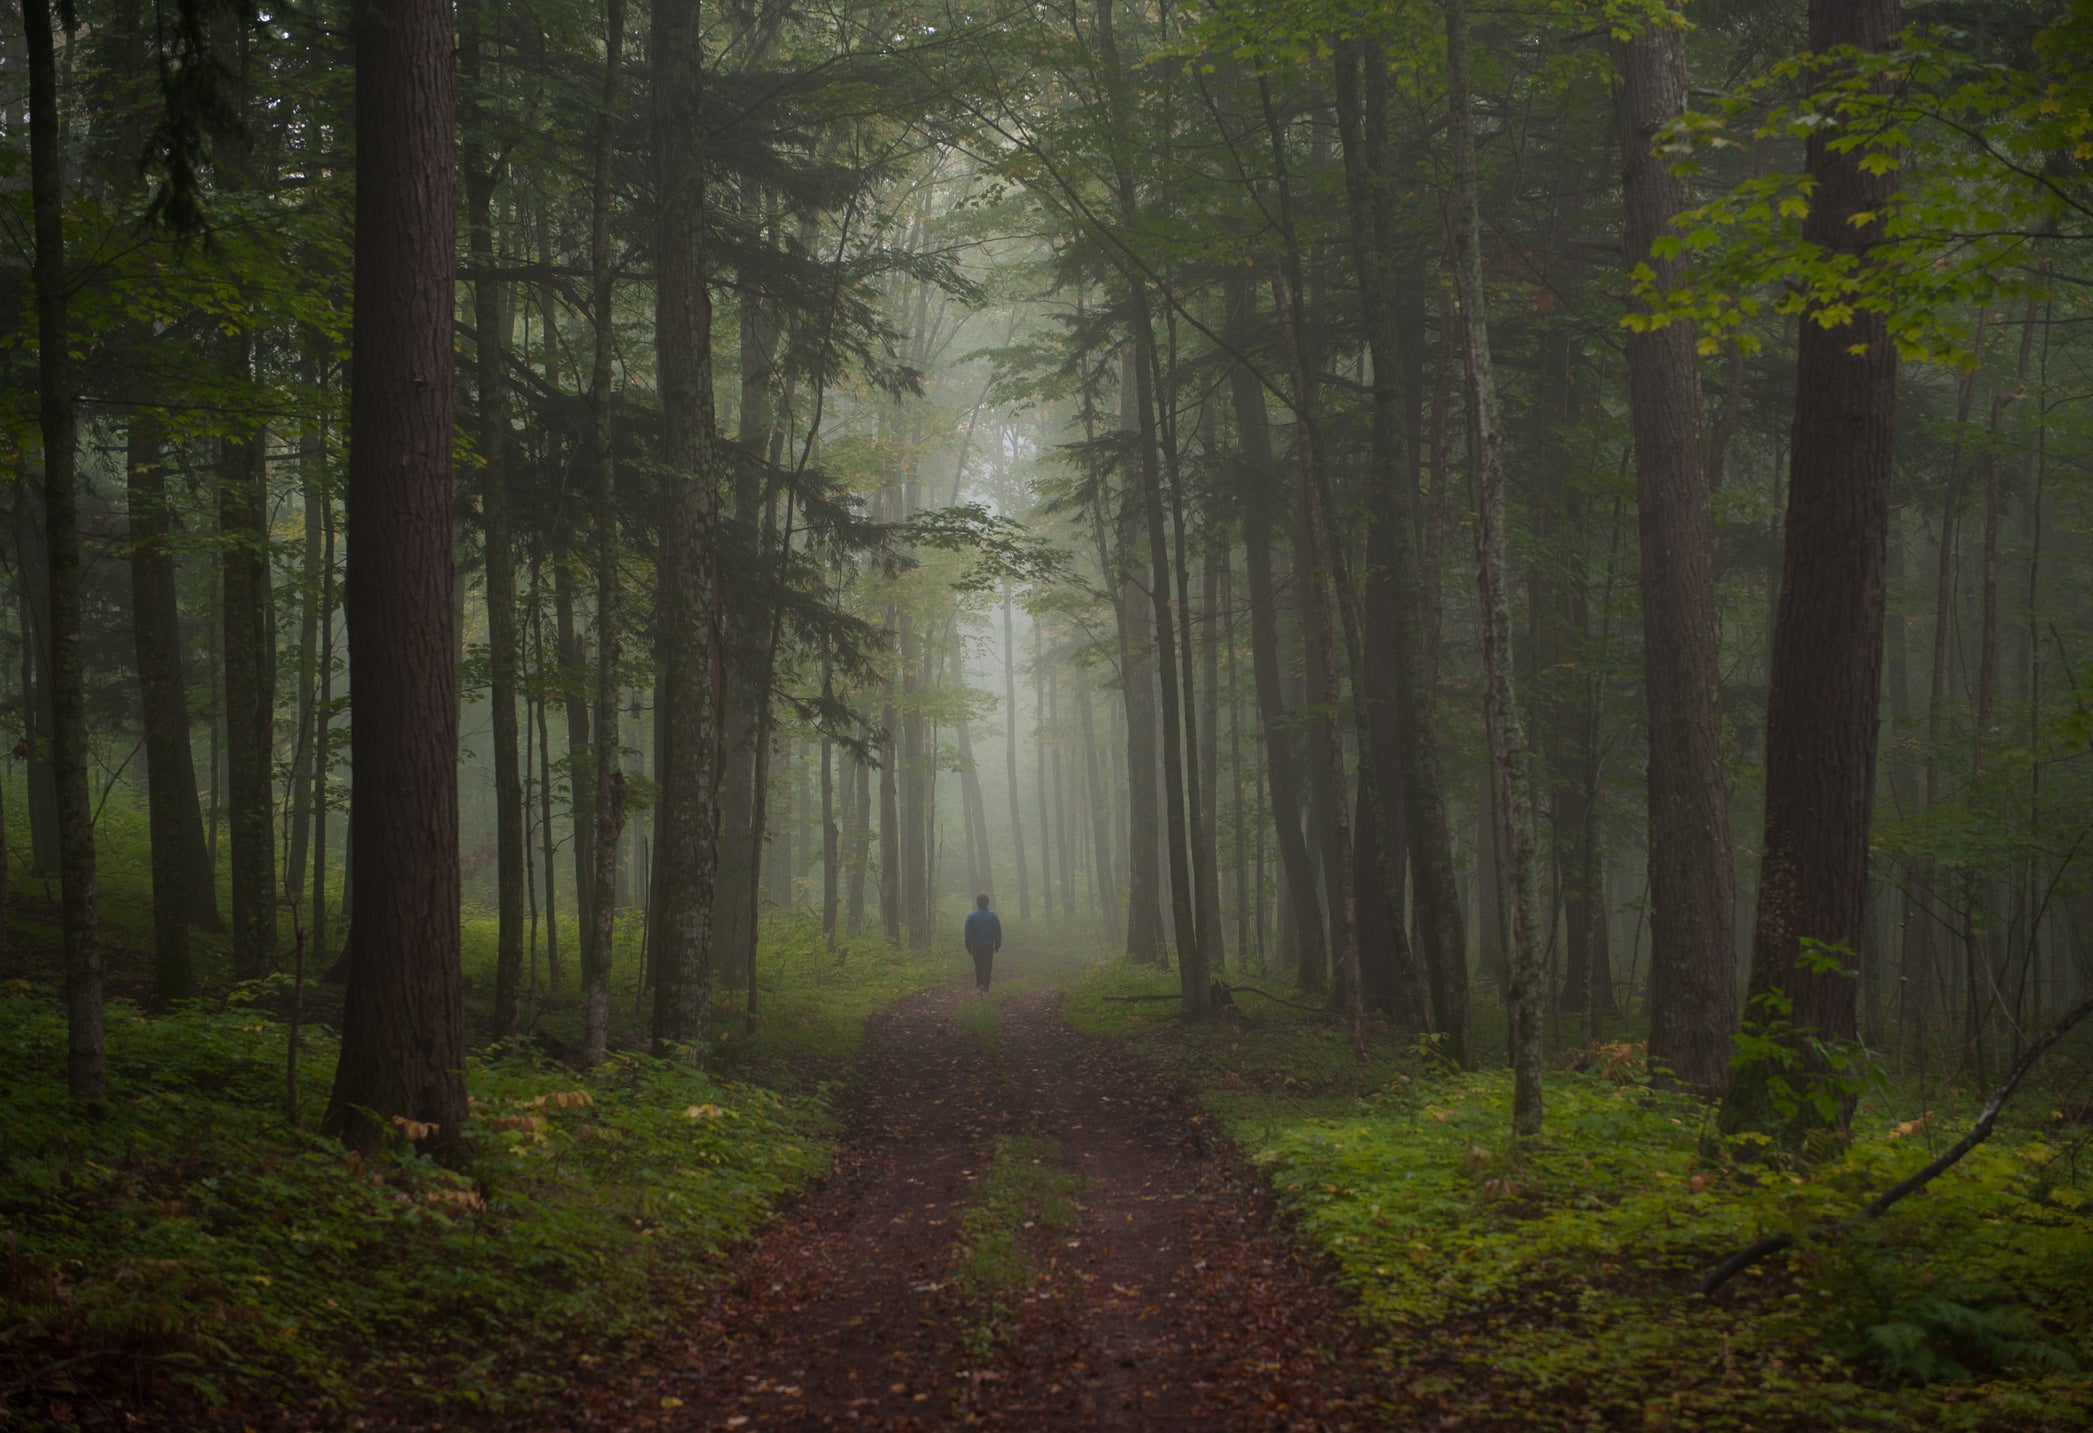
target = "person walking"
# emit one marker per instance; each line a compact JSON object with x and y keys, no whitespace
{"x":984,"y":937}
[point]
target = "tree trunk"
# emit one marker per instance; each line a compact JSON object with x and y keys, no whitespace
{"x":689,"y":689}
{"x":1399,"y":731}
{"x":606,"y":804}
{"x":250,"y":684}
{"x":1821,"y":715}
{"x":56,"y":418}
{"x":1253,"y":439}
{"x":1693,"y":1001}
{"x":156,"y":638}
{"x":831,"y":841}
{"x":581,"y":779}
{"x":1017,"y":822}
{"x":323,"y":715}
{"x":478,"y":164}
{"x":1512,"y":786}
{"x":1042,"y":738}
{"x":403,"y":1021}
{"x":1100,"y":817}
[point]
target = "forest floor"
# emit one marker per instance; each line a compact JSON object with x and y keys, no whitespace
{"x":1027,"y":1227}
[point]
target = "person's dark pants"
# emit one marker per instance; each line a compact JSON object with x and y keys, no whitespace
{"x":983,"y":960}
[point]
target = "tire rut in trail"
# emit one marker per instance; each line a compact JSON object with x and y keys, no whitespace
{"x":1171,"y":1303}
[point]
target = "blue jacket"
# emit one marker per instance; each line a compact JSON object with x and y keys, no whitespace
{"x":983,"y":931}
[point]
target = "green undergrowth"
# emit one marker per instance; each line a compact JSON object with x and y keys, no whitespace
{"x":190,"y":1225}
{"x":1517,"y":1283}
{"x":1025,"y":1188}
{"x":198,"y":1246}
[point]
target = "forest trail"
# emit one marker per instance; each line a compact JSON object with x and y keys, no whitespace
{"x":1172,"y":1301}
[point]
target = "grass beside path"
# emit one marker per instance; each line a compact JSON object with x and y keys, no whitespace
{"x":189,"y":1245}
{"x":1547,"y":1286}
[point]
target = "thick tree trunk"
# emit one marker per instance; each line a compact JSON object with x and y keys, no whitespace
{"x":1693,"y":1002}
{"x":56,"y":418}
{"x":403,"y":1022}
{"x":687,"y":585}
{"x":1821,"y":717}
{"x":1511,"y":785}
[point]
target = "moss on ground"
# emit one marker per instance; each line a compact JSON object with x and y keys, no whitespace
{"x":1531,"y":1285}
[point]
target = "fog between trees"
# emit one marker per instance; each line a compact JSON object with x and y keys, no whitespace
{"x":1536,"y":526}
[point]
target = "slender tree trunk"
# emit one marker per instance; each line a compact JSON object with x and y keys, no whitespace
{"x":1253,"y":438}
{"x":1207,"y":768}
{"x":1235,"y":768}
{"x":1399,"y":768}
{"x":1822,"y":704}
{"x":1100,"y":817}
{"x":581,"y":779}
{"x":403,"y":1022}
{"x":250,"y":684}
{"x":1042,"y":738}
{"x":606,"y":805}
{"x":490,"y":326}
{"x":156,"y":637}
{"x":860,"y":839}
{"x":548,"y":848}
{"x":1017,"y":822}
{"x":56,"y":419}
{"x":323,"y":715}
{"x":1693,"y":1002}
{"x":831,"y":840}
{"x":1513,"y":790}
{"x":890,"y":840}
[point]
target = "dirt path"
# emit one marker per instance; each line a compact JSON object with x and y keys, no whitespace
{"x":1170,"y":1303}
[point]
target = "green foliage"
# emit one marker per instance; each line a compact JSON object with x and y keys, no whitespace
{"x":191,"y":1222}
{"x":1931,"y":1335}
{"x":1521,"y":1282}
{"x":1802,"y":1066}
{"x":1024,"y":1189}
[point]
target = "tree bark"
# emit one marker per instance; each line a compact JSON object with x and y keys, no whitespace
{"x":56,"y":415}
{"x":687,"y":584}
{"x":1017,"y":822}
{"x":1100,"y":817}
{"x":1407,"y":811}
{"x":478,"y":165}
{"x":1693,"y":970}
{"x":1254,"y":444}
{"x":250,"y":684}
{"x":403,"y":1022}
{"x":169,"y":766}
{"x":1512,"y":785}
{"x":1821,"y":716}
{"x":606,"y":804}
